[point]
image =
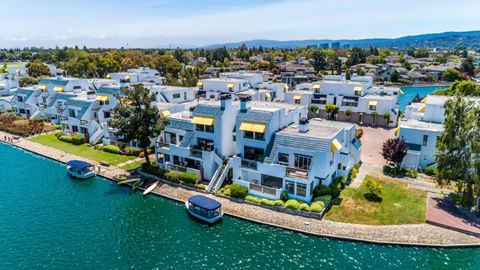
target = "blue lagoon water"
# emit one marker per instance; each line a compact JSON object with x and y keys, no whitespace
{"x":49,"y":221}
{"x":410,"y":93}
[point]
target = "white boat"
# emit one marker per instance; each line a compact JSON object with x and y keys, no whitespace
{"x":150,"y":188}
{"x":80,"y":169}
{"x":204,"y":208}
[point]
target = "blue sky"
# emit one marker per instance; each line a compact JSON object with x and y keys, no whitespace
{"x":154,"y":23}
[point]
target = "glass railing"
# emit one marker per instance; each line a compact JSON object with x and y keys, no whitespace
{"x":251,"y":164}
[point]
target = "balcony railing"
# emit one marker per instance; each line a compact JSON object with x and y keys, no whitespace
{"x":297,"y":172}
{"x":196,"y":152}
{"x":163,"y":145}
{"x":251,"y":164}
{"x":263,"y":189}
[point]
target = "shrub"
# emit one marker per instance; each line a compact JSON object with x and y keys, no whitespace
{"x":323,"y":199}
{"x":430,"y":171}
{"x":200,"y":186}
{"x":238,"y":191}
{"x":374,"y":189}
{"x":317,"y":207}
{"x":132,"y":151}
{"x":394,"y":171}
{"x":279,"y":203}
{"x":251,"y":198}
{"x":78,"y":140}
{"x":353,"y":173}
{"x":284,"y":196}
{"x":111,"y":149}
{"x":267,"y":202}
{"x":58,"y":133}
{"x":304,"y":207}
{"x":65,"y":138}
{"x":292,"y":204}
{"x":56,"y":126}
{"x":412,"y":173}
{"x":154,"y":170}
{"x":227,"y":192}
{"x":173,"y":176}
{"x":189,"y":178}
{"x":321,"y":190}
{"x":337,"y":185}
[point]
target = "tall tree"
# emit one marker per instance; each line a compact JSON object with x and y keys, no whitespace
{"x":394,"y":150}
{"x":136,"y":118}
{"x":458,"y":148}
{"x":37,"y":69}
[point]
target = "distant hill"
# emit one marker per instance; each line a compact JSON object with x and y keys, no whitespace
{"x":469,"y":39}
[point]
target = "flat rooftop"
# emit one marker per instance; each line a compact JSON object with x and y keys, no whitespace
{"x":318,"y":128}
{"x":273,"y":106}
{"x":421,"y":125}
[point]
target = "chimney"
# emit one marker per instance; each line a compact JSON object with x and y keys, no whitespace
{"x":245,"y":103}
{"x":303,"y":125}
{"x":225,"y":101}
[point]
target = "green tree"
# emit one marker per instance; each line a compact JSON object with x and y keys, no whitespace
{"x":332,"y":110}
{"x":467,"y":66}
{"x":319,"y":60}
{"x":37,"y":69}
{"x":137,"y":119}
{"x":451,"y":75}
{"x":458,"y":148}
{"x":168,"y":64}
{"x":394,"y":76}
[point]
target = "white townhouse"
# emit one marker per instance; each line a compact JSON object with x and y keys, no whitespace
{"x":214,"y":87}
{"x":296,"y":158}
{"x":254,"y":79}
{"x":172,"y":94}
{"x":7,"y":86}
{"x":198,"y":140}
{"x":421,"y":127}
{"x":364,"y":103}
{"x":137,"y":75}
{"x":6,"y":103}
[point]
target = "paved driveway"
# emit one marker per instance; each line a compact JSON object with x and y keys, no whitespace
{"x":372,"y":141}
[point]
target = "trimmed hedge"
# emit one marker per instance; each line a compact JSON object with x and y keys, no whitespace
{"x":430,"y":171}
{"x":238,"y":191}
{"x":154,"y":170}
{"x":253,"y":199}
{"x":292,"y":204}
{"x":112,"y":149}
{"x":189,"y":179}
{"x":317,"y":207}
{"x":279,"y":203}
{"x":75,"y":140}
{"x":304,"y":207}
{"x":267,"y":202}
{"x":132,"y":151}
{"x":58,"y":133}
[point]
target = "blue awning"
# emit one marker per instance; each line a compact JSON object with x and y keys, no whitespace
{"x":356,"y":143}
{"x":204,"y":202}
{"x":78,"y":164}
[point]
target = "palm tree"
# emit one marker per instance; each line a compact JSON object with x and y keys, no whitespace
{"x":386,"y":116}
{"x":374,"y":116}
{"x":332,"y":110}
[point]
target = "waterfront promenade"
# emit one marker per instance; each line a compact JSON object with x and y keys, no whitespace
{"x":408,"y":234}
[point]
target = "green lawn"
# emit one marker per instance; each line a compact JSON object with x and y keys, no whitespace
{"x":80,"y":150}
{"x":16,"y":64}
{"x":134,"y":165}
{"x":399,"y":205}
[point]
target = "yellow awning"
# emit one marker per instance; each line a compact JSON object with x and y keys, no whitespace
{"x":357,"y":88}
{"x":422,"y":109}
{"x":127,"y":77}
{"x":397,"y":130}
{"x":108,"y":76}
{"x":336,"y":145}
{"x":316,"y":86}
{"x":199,"y":84}
{"x":424,"y":100}
{"x":297,"y":97}
{"x":230,"y":85}
{"x":285,"y":87}
{"x":165,"y":113}
{"x":2,"y":84}
{"x":401,"y":92}
{"x":201,"y":120}
{"x":42,"y":87}
{"x":253,"y":127}
{"x":267,"y":95}
{"x":372,"y":103}
{"x":103,"y":98}
{"x":59,"y":89}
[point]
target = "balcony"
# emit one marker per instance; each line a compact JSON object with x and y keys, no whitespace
{"x":296,"y":173}
{"x":264,"y":189}
{"x":250,"y":164}
{"x":196,"y":152}
{"x":164,"y":145}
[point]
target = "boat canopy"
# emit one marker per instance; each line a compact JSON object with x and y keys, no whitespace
{"x":204,"y":202}
{"x":79,"y":164}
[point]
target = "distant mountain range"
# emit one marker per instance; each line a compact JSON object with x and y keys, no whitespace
{"x":470,"y":39}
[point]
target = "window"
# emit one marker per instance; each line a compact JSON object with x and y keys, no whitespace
{"x":297,"y":101}
{"x":44,"y":100}
{"x":302,"y":162}
{"x":76,"y":87}
{"x":290,"y":187}
{"x":20,"y":98}
{"x":22,"y":111}
{"x":176,"y":95}
{"x":254,"y":135}
{"x":184,"y":95}
{"x":71,"y":113}
{"x":372,"y":107}
{"x":311,"y":188}
{"x":205,"y":128}
{"x":248,"y":134}
{"x":252,"y":153}
{"x":283,"y":158}
{"x":271,"y":181}
{"x":332,"y":155}
{"x":301,"y":189}
{"x":75,"y":128}
{"x":83,"y":130}
{"x":357,"y":92}
{"x":425,"y":140}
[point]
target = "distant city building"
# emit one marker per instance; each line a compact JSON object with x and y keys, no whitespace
{"x":324,"y":46}
{"x":335,"y":45}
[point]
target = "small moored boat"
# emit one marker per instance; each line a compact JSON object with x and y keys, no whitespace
{"x":204,"y":208}
{"x":80,"y":169}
